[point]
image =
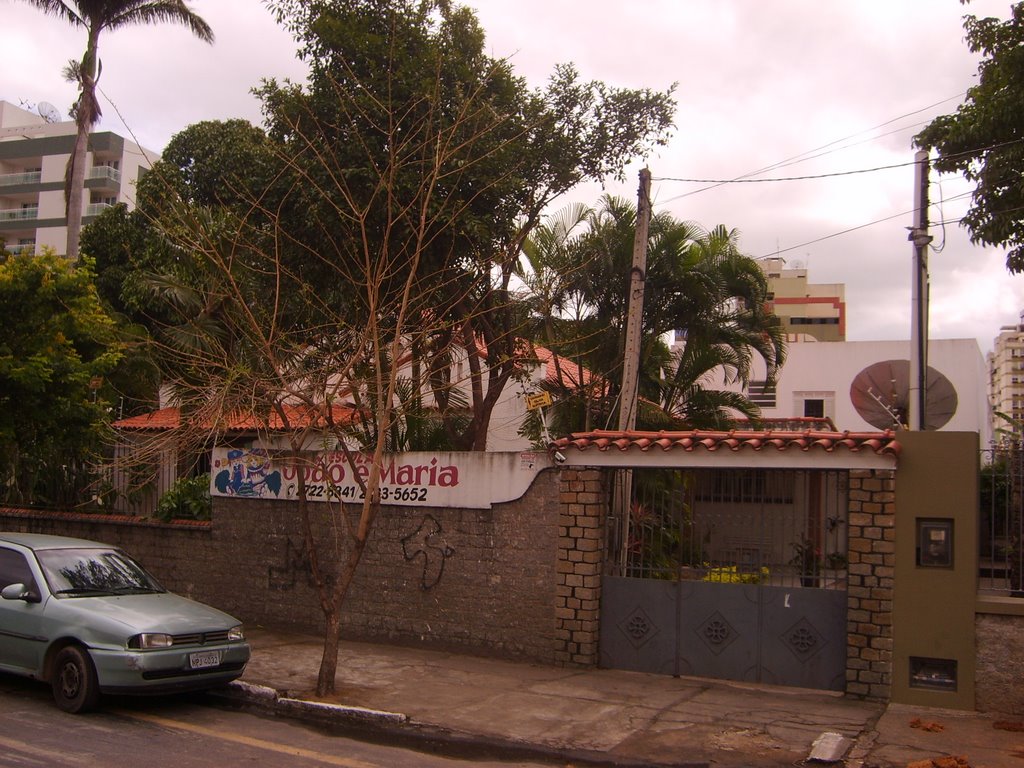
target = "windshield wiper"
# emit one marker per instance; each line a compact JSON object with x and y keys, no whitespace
{"x":83,"y":591}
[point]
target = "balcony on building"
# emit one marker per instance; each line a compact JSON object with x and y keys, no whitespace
{"x":20,"y":179}
{"x":19,"y":214}
{"x":20,"y":248}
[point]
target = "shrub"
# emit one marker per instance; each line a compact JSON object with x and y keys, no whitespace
{"x":731,"y":574}
{"x":187,"y":499}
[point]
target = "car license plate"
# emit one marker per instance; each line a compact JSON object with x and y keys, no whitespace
{"x":204,"y":659}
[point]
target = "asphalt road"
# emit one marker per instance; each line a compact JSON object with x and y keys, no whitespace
{"x":180,"y":731}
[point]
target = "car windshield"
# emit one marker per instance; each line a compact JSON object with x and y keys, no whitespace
{"x":82,"y":572}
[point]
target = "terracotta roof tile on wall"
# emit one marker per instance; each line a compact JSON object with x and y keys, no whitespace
{"x":735,"y":440}
{"x":169,"y":418}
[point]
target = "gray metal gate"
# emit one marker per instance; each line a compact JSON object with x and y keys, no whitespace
{"x":735,"y":574}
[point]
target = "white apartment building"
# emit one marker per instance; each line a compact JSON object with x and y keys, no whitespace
{"x":34,"y":153}
{"x":1006,"y":377}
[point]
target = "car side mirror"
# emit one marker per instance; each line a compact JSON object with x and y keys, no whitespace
{"x":19,"y":591}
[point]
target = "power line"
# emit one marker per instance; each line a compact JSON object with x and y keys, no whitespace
{"x":835,"y":234}
{"x":833,"y":174}
{"x":802,"y":157}
{"x":786,"y":178}
{"x":864,"y":226}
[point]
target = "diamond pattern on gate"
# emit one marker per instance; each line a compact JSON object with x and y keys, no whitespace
{"x":638,"y":627}
{"x":803,"y":640}
{"x":717,"y":633}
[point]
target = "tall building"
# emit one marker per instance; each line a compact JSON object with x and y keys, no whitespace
{"x":806,"y":309}
{"x":34,"y":153}
{"x":1006,"y":378}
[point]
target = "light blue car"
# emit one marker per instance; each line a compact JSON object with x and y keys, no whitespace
{"x":89,"y":619}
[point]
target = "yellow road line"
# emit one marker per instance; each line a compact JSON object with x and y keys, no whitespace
{"x":249,"y":741}
{"x":52,"y":757}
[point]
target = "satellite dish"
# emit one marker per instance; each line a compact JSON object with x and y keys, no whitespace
{"x":881,"y":395}
{"x":48,"y":112}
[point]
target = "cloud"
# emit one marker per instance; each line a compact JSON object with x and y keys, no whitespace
{"x":845,"y":83}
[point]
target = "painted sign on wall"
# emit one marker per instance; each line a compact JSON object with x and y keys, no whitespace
{"x":473,"y":480}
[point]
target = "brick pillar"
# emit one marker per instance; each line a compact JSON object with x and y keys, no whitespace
{"x":583,"y":503}
{"x":872,"y":561}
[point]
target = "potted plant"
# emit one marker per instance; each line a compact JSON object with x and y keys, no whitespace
{"x":807,"y":559}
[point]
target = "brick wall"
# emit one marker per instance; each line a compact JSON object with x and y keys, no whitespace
{"x":580,"y":557}
{"x":872,"y":559}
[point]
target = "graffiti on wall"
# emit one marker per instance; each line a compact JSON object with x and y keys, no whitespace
{"x":427,"y":543}
{"x":247,"y":474}
{"x":295,"y":565}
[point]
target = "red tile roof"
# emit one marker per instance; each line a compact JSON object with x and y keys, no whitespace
{"x":734,"y":440}
{"x":298,"y":416}
{"x":165,"y":418}
{"x":570,"y":368}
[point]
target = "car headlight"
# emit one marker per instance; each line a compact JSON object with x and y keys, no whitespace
{"x":235,"y":634}
{"x":151,"y":640}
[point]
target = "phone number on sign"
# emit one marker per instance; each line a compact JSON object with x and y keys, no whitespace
{"x":320,"y":491}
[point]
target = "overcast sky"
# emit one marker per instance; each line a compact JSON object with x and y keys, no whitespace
{"x":840,"y":85}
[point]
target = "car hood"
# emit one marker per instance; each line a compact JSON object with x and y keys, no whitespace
{"x":163,"y":612}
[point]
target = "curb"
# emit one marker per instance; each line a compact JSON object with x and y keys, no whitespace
{"x":269,"y":697}
{"x":397,"y":729}
{"x":320,"y":708}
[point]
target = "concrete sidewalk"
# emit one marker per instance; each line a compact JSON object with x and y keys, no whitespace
{"x":606,"y":717}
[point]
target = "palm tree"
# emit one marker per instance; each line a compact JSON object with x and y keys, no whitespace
{"x":725,"y":328}
{"x":553,"y":278}
{"x":697,"y":281}
{"x":95,"y":16}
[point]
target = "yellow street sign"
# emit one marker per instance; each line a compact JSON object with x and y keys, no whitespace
{"x":537,"y":400}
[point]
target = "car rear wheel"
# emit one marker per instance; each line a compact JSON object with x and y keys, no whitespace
{"x":74,"y":684}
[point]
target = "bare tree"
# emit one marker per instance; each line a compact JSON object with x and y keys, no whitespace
{"x":406,"y":177}
{"x":260,"y":337}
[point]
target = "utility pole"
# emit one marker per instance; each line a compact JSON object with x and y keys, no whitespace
{"x":634,"y":314}
{"x":623,"y":482}
{"x":918,"y":394}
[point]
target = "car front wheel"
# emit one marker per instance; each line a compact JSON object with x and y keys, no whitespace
{"x":74,"y":684}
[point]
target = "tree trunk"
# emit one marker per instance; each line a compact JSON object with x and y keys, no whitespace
{"x":76,"y":187}
{"x":86,"y":114}
{"x":329,"y":659}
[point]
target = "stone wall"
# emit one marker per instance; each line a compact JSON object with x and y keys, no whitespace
{"x":157,"y":545}
{"x":480,"y":580}
{"x":1000,"y":660}
{"x":872,"y":560}
{"x":474,"y":580}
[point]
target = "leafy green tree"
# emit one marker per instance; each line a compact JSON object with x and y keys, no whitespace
{"x":984,"y":138}
{"x":95,"y":16}
{"x":228,"y":166}
{"x":228,"y":163}
{"x":56,"y":344}
{"x":521,"y":149}
{"x":114,"y":241}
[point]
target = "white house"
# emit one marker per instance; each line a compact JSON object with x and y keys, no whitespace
{"x":844,"y":380}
